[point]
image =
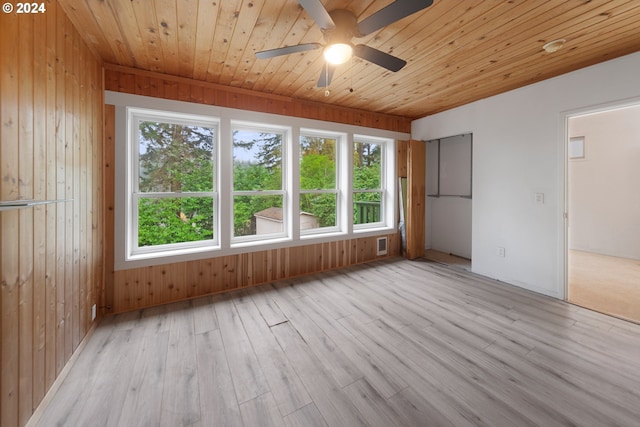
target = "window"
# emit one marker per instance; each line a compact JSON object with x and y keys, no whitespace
{"x":196,"y":181}
{"x":258,"y":186}
{"x":174,"y":196}
{"x":319,"y":182}
{"x":368,"y":182}
{"x":576,"y":147}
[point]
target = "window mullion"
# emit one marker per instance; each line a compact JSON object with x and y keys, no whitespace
{"x":134,"y":222}
{"x":369,"y":191}
{"x":259,"y":193}
{"x":347,"y":183}
{"x":294,"y":183}
{"x":225,"y":177}
{"x":158,"y":195}
{"x":319,"y":191}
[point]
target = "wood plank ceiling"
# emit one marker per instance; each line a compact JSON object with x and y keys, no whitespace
{"x":457,"y":51}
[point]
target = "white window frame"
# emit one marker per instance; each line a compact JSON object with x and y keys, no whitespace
{"x":385,"y":184}
{"x":124,"y":259}
{"x":284,"y":191}
{"x":341,"y":145}
{"x":134,"y":117}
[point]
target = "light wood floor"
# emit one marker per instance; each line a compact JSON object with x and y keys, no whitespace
{"x":606,"y":284}
{"x":395,"y":343}
{"x":448,"y":259}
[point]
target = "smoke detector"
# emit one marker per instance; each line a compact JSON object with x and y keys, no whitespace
{"x":554,"y":46}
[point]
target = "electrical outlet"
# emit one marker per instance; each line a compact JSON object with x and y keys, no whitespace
{"x":93,"y":312}
{"x":500,"y":251}
{"x":540,"y":198}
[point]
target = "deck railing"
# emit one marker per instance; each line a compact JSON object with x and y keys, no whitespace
{"x":367,"y":212}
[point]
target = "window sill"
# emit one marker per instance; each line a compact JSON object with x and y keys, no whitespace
{"x":154,"y":255}
{"x":375,"y":227}
{"x":320,"y":234}
{"x":260,"y":243}
{"x":194,"y":254}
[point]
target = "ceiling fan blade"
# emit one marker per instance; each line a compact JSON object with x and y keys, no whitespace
{"x":316,"y":10}
{"x":266,"y":54}
{"x":325,"y":78}
{"x":378,"y":57}
{"x":394,"y":12}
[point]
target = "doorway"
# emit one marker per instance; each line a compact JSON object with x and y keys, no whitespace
{"x":449,"y":200}
{"x":603,"y":205}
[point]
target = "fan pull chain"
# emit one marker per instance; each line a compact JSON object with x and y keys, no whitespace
{"x":327,"y":92}
{"x":351,"y":76}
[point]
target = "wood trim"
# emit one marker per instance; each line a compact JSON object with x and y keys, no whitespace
{"x":108,"y":153}
{"x":144,"y":74}
{"x":149,"y":83}
{"x":416,"y":185}
{"x":402,"y":158}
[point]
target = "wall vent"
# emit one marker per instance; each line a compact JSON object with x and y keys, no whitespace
{"x":382,"y":246}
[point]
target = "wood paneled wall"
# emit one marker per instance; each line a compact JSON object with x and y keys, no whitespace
{"x":130,"y":80}
{"x":141,"y":287}
{"x":416,"y":199}
{"x":147,"y":286}
{"x":412,"y":165}
{"x":50,"y":255}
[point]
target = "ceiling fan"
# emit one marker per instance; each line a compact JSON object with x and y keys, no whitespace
{"x":340,"y":26}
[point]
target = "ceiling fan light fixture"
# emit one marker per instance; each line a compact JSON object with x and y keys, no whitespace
{"x":338,"y":53}
{"x":340,"y":26}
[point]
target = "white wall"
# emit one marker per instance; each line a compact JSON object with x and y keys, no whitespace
{"x":518,"y":150}
{"x":604,"y":186}
{"x":448,"y":227}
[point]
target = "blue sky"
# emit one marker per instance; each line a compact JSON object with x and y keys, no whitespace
{"x":243,"y":154}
